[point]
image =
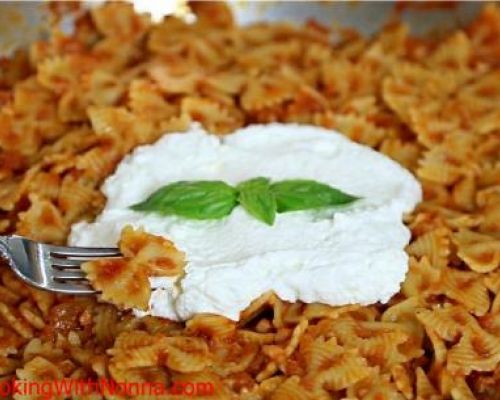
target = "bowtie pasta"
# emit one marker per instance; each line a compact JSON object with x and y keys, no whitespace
{"x":73,"y":106}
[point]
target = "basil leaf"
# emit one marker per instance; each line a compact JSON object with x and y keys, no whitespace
{"x":303,"y":194}
{"x":256,"y":198}
{"x":195,"y":200}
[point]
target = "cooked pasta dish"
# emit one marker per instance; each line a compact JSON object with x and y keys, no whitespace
{"x":74,"y":105}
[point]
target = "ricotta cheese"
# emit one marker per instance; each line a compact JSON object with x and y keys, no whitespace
{"x":340,"y":255}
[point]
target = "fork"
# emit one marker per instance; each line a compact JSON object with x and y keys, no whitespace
{"x":52,"y":268}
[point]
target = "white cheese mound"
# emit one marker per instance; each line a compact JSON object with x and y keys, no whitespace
{"x":342,"y":255}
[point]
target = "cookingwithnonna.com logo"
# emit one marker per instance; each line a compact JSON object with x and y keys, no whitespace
{"x":49,"y":389}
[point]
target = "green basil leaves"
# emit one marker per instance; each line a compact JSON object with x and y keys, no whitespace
{"x":193,"y":200}
{"x":202,"y":200}
{"x":302,"y":194}
{"x":257,"y":198}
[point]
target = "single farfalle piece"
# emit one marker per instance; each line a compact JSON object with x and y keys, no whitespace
{"x":476,"y":351}
{"x":434,"y":245}
{"x":118,"y":20}
{"x":332,"y":366}
{"x":480,"y":252}
{"x":157,"y":255}
{"x":125,"y":281}
{"x":448,"y":322}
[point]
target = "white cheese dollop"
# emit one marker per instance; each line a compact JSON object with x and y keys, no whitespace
{"x":342,"y":255}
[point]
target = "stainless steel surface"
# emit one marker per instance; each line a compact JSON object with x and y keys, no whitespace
{"x":53,"y":268}
{"x":21,"y":22}
{"x":365,"y":16}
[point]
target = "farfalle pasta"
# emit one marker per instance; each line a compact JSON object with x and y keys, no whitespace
{"x":73,"y":106}
{"x":124,"y":281}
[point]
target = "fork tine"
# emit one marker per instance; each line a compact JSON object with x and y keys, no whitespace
{"x":35,"y":263}
{"x":69,"y":276}
{"x":79,"y":288}
{"x":93,"y":252}
{"x":66,"y":263}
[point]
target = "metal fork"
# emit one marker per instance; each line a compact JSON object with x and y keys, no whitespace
{"x":52,"y":268}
